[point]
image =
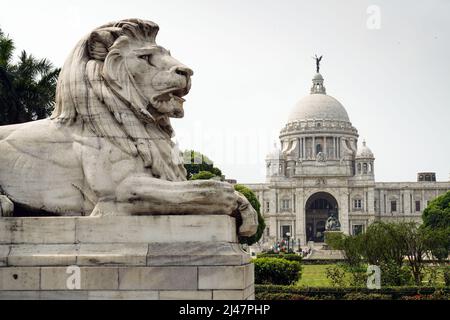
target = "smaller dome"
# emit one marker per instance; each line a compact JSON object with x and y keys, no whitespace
{"x":364,"y":152}
{"x":275,"y":153}
{"x":318,"y":76}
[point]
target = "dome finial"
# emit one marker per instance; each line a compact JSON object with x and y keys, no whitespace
{"x":318,"y":87}
{"x":318,"y":59}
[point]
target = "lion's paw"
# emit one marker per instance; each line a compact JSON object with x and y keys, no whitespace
{"x":249,"y":216}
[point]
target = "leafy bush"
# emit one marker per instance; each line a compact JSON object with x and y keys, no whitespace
{"x":194,"y":162}
{"x":281,"y":296}
{"x":276,"y":292}
{"x":366,"y":296}
{"x":447,"y":275}
{"x":251,"y":197}
{"x":437,"y":295}
{"x":334,"y":239}
{"x":286,"y":256}
{"x":336,"y":274}
{"x":203,"y":175}
{"x":277,"y":271}
{"x":394,"y":275}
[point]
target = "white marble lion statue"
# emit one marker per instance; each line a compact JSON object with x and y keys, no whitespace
{"x":107,"y":148}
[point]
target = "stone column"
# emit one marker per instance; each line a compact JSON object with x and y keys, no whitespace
{"x":314,"y":147}
{"x":273,"y":233}
{"x":300,"y":232}
{"x":325,"y":147}
{"x":371,"y":199}
{"x":334,"y":148}
{"x":339,"y":147}
{"x":343,"y":212}
{"x":304,"y":148}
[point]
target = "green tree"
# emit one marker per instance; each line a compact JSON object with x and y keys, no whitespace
{"x":417,"y":242}
{"x":195,"y":162}
{"x":351,"y":246}
{"x":437,"y":214}
{"x":27,"y":87}
{"x":436,"y":218}
{"x":251,"y":197}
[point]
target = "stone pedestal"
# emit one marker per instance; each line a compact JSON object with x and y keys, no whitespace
{"x":138,"y":257}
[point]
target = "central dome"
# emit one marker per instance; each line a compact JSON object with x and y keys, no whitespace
{"x":319,"y":106}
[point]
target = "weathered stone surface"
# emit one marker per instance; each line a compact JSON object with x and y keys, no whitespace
{"x":4,"y":252}
{"x":249,"y":292}
{"x":123,"y":295}
{"x":6,"y":206}
{"x":228,"y":295}
{"x":92,"y":278}
{"x":70,"y":230}
{"x":111,"y":264}
{"x":48,"y":230}
{"x":44,"y":295}
{"x":158,"y":278}
{"x":42,"y":255}
{"x":249,"y":275}
{"x":226,"y":278}
{"x":189,"y":228}
{"x":245,"y":294}
{"x":19,"y":279}
{"x":196,"y":253}
{"x":112,"y":254}
{"x":186,"y":295}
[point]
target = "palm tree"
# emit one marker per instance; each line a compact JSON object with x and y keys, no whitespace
{"x":27,"y":87}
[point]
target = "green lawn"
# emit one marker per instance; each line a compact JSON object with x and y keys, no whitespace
{"x":316,"y":276}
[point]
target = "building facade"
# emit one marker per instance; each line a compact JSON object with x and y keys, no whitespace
{"x":320,"y":171}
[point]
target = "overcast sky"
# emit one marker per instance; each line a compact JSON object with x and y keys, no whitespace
{"x":252,"y":63}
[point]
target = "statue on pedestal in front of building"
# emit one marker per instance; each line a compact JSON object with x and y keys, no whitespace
{"x":333,"y":223}
{"x":107,"y":148}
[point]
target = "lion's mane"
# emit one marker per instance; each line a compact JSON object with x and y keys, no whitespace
{"x":90,"y":90}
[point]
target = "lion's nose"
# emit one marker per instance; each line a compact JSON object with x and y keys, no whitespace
{"x":184,"y":71}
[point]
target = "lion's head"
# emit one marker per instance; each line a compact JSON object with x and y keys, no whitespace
{"x":126,"y":88}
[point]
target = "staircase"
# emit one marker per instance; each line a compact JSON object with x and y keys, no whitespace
{"x":320,"y":252}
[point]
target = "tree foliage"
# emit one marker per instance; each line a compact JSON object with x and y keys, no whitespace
{"x":27,"y":87}
{"x":251,"y":197}
{"x":203,"y":175}
{"x":195,"y":162}
{"x":437,"y":214}
{"x":388,"y":245}
{"x":436,"y":218}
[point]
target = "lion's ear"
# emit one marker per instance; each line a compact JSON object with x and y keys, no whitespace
{"x":100,"y":41}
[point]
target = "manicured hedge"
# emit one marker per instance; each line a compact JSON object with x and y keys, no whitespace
{"x":273,"y":292}
{"x":286,"y":256}
{"x":277,"y":271}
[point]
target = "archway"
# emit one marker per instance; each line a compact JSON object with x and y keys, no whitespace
{"x":318,"y":208}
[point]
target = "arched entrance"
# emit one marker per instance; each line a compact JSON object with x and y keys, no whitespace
{"x":318,"y":208}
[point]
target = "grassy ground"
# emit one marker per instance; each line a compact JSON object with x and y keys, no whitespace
{"x":316,"y":276}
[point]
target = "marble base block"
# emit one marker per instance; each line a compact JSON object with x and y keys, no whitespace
{"x":138,"y":257}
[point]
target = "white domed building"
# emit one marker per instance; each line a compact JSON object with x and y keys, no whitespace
{"x":320,"y":170}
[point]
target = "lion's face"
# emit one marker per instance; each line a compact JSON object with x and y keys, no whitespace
{"x":124,"y":87}
{"x":158,"y":77}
